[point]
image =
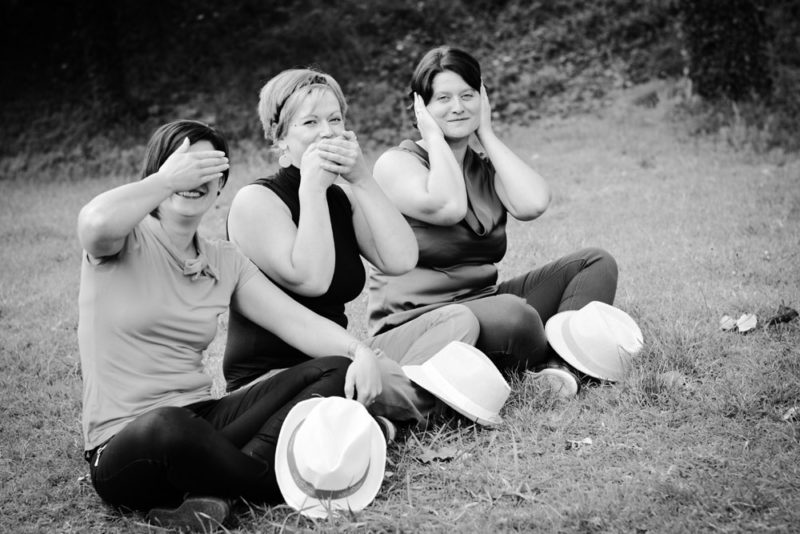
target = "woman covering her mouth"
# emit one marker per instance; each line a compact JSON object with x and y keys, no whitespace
{"x":308,"y":234}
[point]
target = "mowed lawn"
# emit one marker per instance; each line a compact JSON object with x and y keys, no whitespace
{"x":697,"y":438}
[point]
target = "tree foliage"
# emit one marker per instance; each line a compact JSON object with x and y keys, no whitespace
{"x":88,"y":74}
{"x":727,"y":44}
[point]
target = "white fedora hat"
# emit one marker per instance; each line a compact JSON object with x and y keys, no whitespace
{"x":598,"y":340}
{"x":331,"y":456}
{"x":466,"y":380}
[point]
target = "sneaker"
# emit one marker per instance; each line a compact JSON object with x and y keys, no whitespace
{"x":387,"y":427}
{"x":557,"y":378}
{"x":195,"y":513}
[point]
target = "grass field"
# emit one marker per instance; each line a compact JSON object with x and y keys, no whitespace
{"x":693,"y":440}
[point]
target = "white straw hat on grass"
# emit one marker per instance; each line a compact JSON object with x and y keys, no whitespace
{"x":598,"y":340}
{"x":331,"y":456}
{"x":466,"y":380}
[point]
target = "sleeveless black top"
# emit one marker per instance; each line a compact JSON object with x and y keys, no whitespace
{"x":252,"y":351}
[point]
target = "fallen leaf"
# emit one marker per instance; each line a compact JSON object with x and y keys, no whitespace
{"x":573,"y":444}
{"x":746,"y":322}
{"x":727,"y":323}
{"x":672,"y":379}
{"x":792,"y":414}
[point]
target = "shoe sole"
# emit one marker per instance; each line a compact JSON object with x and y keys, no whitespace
{"x":387,"y":428}
{"x":560,"y":381}
{"x":195,"y":513}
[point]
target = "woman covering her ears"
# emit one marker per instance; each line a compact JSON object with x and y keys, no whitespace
{"x":457,"y":202}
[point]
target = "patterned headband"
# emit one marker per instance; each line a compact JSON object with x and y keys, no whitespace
{"x":316,"y":79}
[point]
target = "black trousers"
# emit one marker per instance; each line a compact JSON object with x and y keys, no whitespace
{"x":512,"y":320}
{"x":221,"y":447}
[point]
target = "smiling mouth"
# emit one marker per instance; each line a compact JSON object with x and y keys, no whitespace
{"x":194,"y":193}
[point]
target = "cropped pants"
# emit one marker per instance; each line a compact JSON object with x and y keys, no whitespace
{"x":219,"y":447}
{"x":512,"y":320}
{"x":252,"y":351}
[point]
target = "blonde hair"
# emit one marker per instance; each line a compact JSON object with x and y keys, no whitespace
{"x":281,"y":96}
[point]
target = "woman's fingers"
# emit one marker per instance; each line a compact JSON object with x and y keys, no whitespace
{"x":213,"y":162}
{"x":342,"y":155}
{"x":350,"y":382}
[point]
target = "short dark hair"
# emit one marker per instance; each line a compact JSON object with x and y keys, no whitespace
{"x":440,"y":59}
{"x":169,"y":137}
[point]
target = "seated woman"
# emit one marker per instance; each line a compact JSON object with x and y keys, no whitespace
{"x":457,"y":202}
{"x":308,"y":236}
{"x":151,"y":293}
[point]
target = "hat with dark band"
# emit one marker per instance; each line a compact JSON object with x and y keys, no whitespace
{"x":331,"y":456}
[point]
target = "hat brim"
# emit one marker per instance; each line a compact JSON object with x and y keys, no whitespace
{"x":450,"y":396}
{"x":310,"y":506}
{"x":555,"y":333}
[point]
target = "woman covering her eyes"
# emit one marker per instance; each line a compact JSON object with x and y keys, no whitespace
{"x":308,"y":235}
{"x":151,"y":294}
{"x":457,"y":202}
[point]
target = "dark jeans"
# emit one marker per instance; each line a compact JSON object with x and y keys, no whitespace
{"x":512,"y":321}
{"x":222,"y":447}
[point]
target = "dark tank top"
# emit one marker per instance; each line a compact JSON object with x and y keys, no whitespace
{"x":252,"y":351}
{"x":457,"y":263}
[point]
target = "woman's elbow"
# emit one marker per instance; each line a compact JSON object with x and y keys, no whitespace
{"x":448,"y":214}
{"x":530,"y":210}
{"x":91,"y":224}
{"x":402,"y":262}
{"x":310,"y":287}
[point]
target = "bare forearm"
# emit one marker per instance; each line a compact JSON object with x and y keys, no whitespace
{"x":313,"y":254}
{"x":385,"y":237}
{"x":265,"y":304}
{"x":524,"y":192}
{"x":445,"y":185}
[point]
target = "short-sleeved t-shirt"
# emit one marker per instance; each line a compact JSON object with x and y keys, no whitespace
{"x":144,"y":324}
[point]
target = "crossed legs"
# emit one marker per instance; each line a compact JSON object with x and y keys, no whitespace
{"x":512,"y":321}
{"x":222,"y":447}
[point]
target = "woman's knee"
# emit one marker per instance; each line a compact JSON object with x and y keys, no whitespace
{"x":465,"y":324}
{"x":600,"y":256}
{"x":512,"y":333}
{"x":508,"y":316}
{"x":333,"y":364}
{"x":164,"y":426}
{"x":330,"y":370}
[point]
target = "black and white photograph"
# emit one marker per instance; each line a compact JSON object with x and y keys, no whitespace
{"x":400,"y":266}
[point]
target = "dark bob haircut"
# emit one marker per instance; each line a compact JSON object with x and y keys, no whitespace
{"x":169,"y":137}
{"x":439,"y":60}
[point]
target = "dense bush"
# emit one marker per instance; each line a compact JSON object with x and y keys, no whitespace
{"x":744,"y":58}
{"x":727,"y":42}
{"x":89,"y":69}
